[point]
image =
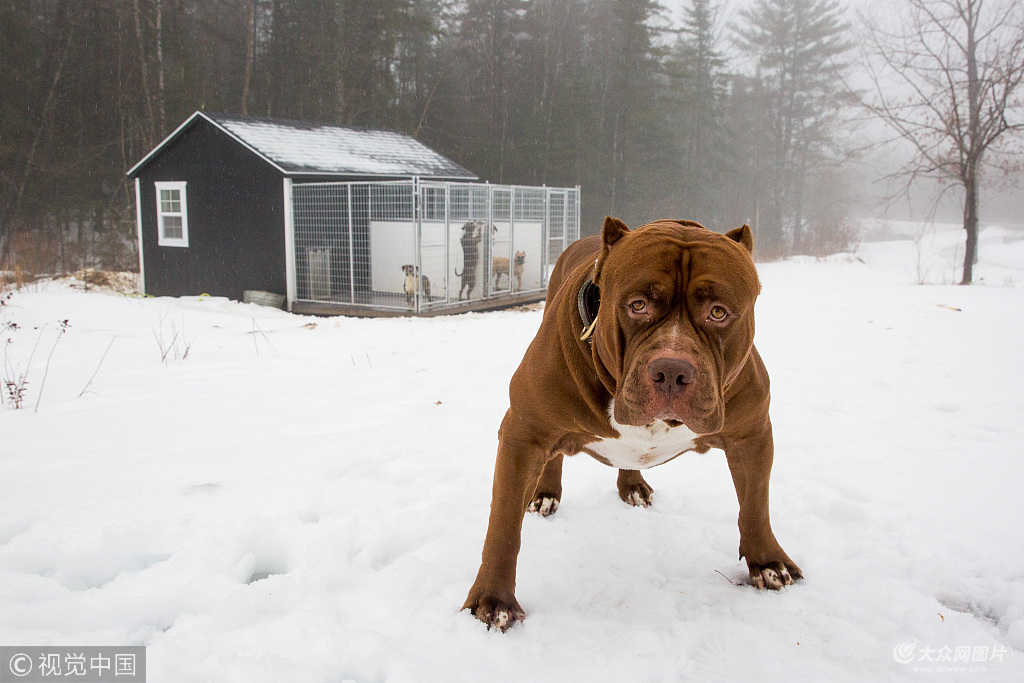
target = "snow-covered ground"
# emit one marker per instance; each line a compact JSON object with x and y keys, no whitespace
{"x":303,"y":499}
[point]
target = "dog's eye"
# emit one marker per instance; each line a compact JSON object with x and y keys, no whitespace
{"x":718,"y":314}
{"x":638,"y":306}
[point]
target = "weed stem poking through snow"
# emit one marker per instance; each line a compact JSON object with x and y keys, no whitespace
{"x":256,"y":327}
{"x":97,"y":370}
{"x":728,"y":579}
{"x":46,"y":370}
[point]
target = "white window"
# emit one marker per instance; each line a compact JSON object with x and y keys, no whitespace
{"x":172,"y":214}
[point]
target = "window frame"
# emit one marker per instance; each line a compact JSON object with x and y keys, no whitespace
{"x":163,"y":240}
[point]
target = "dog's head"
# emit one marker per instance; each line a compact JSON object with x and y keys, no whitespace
{"x":520,"y":258}
{"x":409,"y":270}
{"x":676,"y":322}
{"x":470,"y":232}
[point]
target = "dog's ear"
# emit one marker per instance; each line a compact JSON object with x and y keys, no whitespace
{"x":743,"y":235}
{"x":612,"y":231}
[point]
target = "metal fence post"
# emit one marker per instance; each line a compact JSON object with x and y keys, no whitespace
{"x":576,"y":233}
{"x":489,"y":251}
{"x":351,"y":249}
{"x":511,"y":238}
{"x":417,"y":222}
{"x":289,"y":243}
{"x":447,"y":242}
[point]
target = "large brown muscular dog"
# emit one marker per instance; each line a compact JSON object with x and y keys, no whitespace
{"x":645,"y":352}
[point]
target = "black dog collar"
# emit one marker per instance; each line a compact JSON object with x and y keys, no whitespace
{"x":588,"y":301}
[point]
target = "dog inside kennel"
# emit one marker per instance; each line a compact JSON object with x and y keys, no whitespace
{"x":417,"y":247}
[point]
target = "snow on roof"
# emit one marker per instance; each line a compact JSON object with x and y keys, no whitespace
{"x":318,"y":149}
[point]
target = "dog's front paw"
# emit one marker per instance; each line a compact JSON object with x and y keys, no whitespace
{"x":774,"y":575}
{"x":496,"y":612}
{"x":544,"y":504}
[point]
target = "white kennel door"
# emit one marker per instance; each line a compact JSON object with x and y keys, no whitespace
{"x":502,"y":227}
{"x":556,"y":225}
{"x":320,"y":274}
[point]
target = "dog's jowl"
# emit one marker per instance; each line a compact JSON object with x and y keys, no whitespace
{"x":646,"y":351}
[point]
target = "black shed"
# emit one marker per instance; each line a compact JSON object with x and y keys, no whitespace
{"x":211,"y":198}
{"x":339,"y":220}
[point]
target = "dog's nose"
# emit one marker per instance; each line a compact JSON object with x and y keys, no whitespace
{"x":671,"y":375}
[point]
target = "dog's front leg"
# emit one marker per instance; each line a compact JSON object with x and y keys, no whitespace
{"x":516,"y":473}
{"x":750,"y":462}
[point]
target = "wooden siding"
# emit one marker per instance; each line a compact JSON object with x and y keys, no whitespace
{"x":235,"y":218}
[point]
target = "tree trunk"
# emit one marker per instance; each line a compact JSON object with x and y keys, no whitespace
{"x":974,"y":146}
{"x":426,"y":108}
{"x":250,"y":20}
{"x":144,"y":73}
{"x":161,"y":113}
{"x":61,"y":251}
{"x":799,"y":237}
{"x":616,"y":211}
{"x":970,"y":226}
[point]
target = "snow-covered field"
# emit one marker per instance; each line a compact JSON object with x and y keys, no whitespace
{"x":302,"y":499}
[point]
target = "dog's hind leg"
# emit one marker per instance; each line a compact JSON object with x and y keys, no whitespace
{"x":634,"y":490}
{"x":549,"y":488}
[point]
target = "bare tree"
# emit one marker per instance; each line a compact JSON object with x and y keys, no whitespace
{"x":948,"y":82}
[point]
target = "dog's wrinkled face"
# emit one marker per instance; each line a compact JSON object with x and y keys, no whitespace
{"x":673,"y":334}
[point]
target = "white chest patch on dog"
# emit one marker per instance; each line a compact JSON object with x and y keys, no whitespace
{"x":638,"y":448}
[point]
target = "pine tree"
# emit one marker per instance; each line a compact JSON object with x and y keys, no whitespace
{"x":634,"y":143}
{"x":551,"y":81}
{"x":487,"y":57}
{"x":304,"y":60}
{"x":799,"y":48}
{"x":696,"y":69}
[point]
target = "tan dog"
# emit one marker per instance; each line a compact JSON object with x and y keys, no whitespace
{"x":499,"y":267}
{"x":645,"y":352}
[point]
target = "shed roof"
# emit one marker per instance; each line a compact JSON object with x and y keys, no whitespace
{"x":297,"y":148}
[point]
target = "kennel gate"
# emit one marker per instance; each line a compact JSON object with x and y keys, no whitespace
{"x":424,"y":246}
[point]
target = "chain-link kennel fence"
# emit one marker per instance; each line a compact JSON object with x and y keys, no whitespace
{"x":424,"y":247}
